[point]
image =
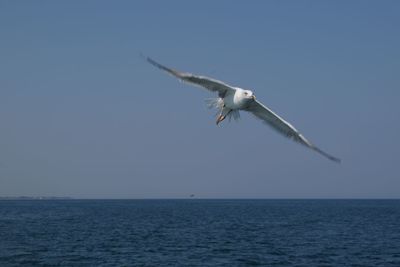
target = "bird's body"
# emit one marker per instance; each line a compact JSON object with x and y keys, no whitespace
{"x":231,"y":100}
{"x":239,"y":99}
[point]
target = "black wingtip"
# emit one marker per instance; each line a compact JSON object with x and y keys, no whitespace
{"x":146,"y":58}
{"x":334,"y":159}
{"x":162,"y":67}
{"x":153,"y":62}
{"x":150,"y":60}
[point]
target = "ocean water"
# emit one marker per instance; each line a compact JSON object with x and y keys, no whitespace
{"x":200,"y":233}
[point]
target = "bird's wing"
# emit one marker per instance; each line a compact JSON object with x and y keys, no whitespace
{"x":268,"y":116}
{"x":210,"y":84}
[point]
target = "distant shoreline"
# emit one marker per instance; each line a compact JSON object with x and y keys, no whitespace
{"x":35,"y":198}
{"x":190,"y":198}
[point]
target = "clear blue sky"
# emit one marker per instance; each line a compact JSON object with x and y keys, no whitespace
{"x":83,"y":115}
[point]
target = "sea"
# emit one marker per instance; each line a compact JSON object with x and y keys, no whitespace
{"x":199,"y":232}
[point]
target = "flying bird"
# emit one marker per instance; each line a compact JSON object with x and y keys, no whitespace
{"x":233,"y":99}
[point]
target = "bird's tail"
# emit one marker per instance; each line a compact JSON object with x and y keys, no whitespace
{"x":216,"y":103}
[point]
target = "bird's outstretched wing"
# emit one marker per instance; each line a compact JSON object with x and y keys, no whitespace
{"x":208,"y":83}
{"x":268,"y":116}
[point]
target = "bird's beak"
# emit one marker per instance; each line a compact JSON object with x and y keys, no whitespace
{"x":254,"y":97}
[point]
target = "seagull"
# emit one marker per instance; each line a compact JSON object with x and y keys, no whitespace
{"x":232,"y":99}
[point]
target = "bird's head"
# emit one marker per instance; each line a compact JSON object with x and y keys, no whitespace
{"x":248,"y":94}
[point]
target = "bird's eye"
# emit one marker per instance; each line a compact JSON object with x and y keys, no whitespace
{"x":246,"y":93}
